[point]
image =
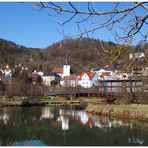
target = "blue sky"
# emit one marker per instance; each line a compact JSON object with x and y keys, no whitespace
{"x":24,"y":25}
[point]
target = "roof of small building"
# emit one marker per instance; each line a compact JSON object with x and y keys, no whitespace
{"x":104,"y":74}
{"x":57,"y":70}
{"x":50,"y":74}
{"x":107,"y":68}
{"x":96,"y":68}
{"x":89,"y":73}
{"x":71,"y":77}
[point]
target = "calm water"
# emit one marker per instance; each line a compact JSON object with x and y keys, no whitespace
{"x":51,"y":126}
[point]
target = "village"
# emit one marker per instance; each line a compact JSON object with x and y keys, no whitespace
{"x":63,"y":77}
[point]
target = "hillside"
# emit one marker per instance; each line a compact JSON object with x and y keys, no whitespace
{"x":83,"y":54}
{"x":11,"y":53}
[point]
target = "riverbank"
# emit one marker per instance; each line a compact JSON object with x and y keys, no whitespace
{"x":132,"y":111}
{"x":41,"y":101}
{"x":94,"y":105}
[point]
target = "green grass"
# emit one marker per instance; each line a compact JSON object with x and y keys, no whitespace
{"x":10,"y":101}
{"x":19,"y":101}
{"x":54,"y":99}
{"x":46,"y":99}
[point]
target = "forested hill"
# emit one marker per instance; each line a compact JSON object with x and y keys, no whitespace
{"x":11,"y":53}
{"x":83,"y":54}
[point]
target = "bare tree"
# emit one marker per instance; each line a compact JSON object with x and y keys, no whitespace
{"x":124,"y":20}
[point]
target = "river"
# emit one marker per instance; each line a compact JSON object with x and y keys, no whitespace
{"x":63,"y":126}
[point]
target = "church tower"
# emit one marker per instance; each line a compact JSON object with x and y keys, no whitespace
{"x":66,"y":68}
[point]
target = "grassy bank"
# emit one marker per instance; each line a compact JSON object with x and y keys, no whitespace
{"x":132,"y":111}
{"x":56,"y":101}
{"x":19,"y":101}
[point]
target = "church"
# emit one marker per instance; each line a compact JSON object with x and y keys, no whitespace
{"x":63,"y":71}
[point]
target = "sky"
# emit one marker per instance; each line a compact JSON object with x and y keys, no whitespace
{"x":23,"y":24}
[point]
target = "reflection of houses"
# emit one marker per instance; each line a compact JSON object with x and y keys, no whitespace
{"x":4,"y":116}
{"x":60,"y":118}
{"x":46,"y":113}
{"x":84,"y":119}
{"x":56,"y":117}
{"x":104,"y":122}
{"x":65,"y":122}
{"x":64,"y":119}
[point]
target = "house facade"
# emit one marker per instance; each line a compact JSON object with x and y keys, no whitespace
{"x":49,"y":77}
{"x":7,"y":74}
{"x":71,"y":81}
{"x":88,"y":79}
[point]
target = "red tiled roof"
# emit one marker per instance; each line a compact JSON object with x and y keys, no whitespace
{"x":104,"y":74}
{"x":80,"y":76}
{"x":58,"y":70}
{"x":71,"y":77}
{"x":90,"y":74}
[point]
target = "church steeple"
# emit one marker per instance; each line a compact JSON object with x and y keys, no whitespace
{"x":66,"y":60}
{"x":66,"y":67}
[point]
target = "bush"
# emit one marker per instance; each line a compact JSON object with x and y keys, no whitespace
{"x":54,"y":83}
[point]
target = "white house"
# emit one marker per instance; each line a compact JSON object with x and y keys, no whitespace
{"x":7,"y":73}
{"x":137,"y":55}
{"x":122,"y":76}
{"x":105,"y":73}
{"x":105,"y":76}
{"x":58,"y":71}
{"x":87,"y":79}
{"x":71,"y":81}
{"x":48,"y":78}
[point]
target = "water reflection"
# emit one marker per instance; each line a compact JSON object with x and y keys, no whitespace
{"x":63,"y":115}
{"x":63,"y":126}
{"x":4,"y":116}
{"x":91,"y":121}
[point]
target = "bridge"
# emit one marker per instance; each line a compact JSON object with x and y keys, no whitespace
{"x":83,"y":94}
